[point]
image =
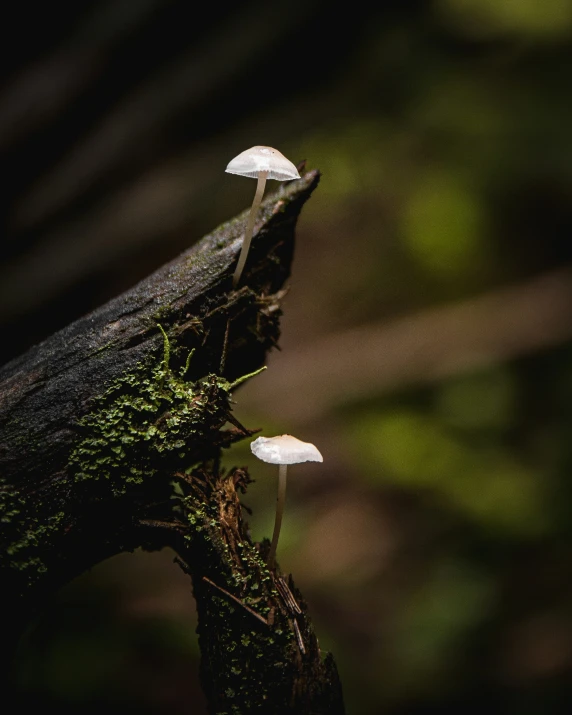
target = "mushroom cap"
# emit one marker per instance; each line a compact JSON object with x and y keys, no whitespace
{"x":285,"y":449}
{"x":263,"y":158}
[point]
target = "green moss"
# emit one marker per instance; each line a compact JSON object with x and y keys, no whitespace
{"x":11,"y":505}
{"x":148,"y":419}
{"x":27,"y":533}
{"x":38,"y":535}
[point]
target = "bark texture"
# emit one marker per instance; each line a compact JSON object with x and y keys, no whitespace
{"x":110,"y":438}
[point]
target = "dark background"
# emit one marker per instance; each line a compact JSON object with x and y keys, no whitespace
{"x":426,"y":343}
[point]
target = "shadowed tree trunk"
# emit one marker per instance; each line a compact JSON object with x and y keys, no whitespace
{"x":110,"y":439}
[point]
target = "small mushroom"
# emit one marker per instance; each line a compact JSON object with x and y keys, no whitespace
{"x":282,"y":450}
{"x":262,"y":163}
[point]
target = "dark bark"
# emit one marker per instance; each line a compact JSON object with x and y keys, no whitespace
{"x":259,"y":651}
{"x":99,"y":422}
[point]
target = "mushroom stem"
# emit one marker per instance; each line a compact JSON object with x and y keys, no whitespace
{"x":280,"y":502}
{"x":262,"y":176}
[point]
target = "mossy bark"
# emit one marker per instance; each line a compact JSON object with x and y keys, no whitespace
{"x":265,"y":657}
{"x":98,"y":425}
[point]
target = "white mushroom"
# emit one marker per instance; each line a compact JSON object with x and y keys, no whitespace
{"x":262,"y":163}
{"x":282,"y":450}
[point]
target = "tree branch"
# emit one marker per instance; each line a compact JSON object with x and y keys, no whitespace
{"x":97,"y":422}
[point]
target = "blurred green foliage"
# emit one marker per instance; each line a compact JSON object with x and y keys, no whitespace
{"x":484,"y":482}
{"x":444,"y":228}
{"x":437,"y":620}
{"x":548,"y":20}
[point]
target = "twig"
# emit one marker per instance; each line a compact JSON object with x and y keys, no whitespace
{"x":298,"y":636}
{"x":236,"y":600}
{"x":183,"y":566}
{"x":244,"y":430}
{"x":224,"y":347}
{"x":157,"y":524}
{"x":287,"y":595}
